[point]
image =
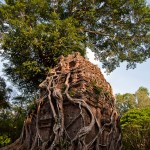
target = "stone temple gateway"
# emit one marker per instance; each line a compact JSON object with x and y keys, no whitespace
{"x":75,"y":111}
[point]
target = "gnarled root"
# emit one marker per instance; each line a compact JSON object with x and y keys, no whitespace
{"x":89,"y":128}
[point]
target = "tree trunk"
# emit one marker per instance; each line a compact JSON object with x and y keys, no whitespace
{"x":75,"y":111}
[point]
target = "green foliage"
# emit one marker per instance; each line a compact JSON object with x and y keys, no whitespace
{"x":4,"y":94}
{"x":31,"y":106}
{"x":35,"y":40}
{"x":136,"y":129}
{"x":11,"y":120}
{"x":35,"y":33}
{"x":135,"y":119}
{"x":63,"y":88}
{"x":4,"y":140}
{"x":143,"y":98}
{"x":125,"y":102}
{"x":71,"y":93}
{"x":97,"y":90}
{"x":140,"y":99}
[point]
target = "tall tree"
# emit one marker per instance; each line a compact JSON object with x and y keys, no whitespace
{"x":12,"y":118}
{"x":125,"y":102}
{"x":35,"y":33}
{"x":136,"y":129}
{"x":140,"y":99}
{"x":4,"y":94}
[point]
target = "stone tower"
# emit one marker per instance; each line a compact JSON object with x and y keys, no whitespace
{"x":75,"y":111}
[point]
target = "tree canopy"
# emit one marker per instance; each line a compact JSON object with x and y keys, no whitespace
{"x":136,"y":129}
{"x":34,"y":33}
{"x":11,"y":120}
{"x":135,"y":119}
{"x":139,"y":99}
{"x":4,"y":94}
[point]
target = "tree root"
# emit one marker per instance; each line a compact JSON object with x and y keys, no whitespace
{"x":107,"y":135}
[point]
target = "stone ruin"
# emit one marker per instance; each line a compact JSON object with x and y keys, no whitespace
{"x":75,"y":111}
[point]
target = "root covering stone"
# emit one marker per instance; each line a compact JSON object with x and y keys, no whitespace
{"x":75,"y":111}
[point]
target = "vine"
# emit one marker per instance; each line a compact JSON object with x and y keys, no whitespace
{"x":102,"y":119}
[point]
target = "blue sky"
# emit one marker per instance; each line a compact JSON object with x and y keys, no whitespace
{"x":126,"y":81}
{"x":122,"y":80}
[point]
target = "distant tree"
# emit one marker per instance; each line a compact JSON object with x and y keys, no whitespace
{"x":127,"y":101}
{"x":4,"y":140}
{"x":4,"y":113}
{"x":11,"y":120}
{"x":142,"y":97}
{"x":4,"y":94}
{"x":136,"y":129}
{"x":5,"y":126}
{"x":35,"y":33}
